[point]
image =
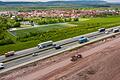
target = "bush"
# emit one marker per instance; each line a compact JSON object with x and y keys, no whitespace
{"x":6,"y":41}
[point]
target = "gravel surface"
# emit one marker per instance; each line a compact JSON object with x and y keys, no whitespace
{"x":102,"y":65}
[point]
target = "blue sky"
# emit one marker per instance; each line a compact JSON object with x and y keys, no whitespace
{"x":53,"y":0}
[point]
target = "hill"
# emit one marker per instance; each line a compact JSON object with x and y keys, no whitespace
{"x":55,"y":3}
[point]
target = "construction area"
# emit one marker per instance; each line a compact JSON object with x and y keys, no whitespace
{"x":102,"y":64}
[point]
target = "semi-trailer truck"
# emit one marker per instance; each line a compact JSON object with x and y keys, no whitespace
{"x":45,"y":44}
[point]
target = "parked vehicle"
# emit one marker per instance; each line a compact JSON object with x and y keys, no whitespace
{"x":11,"y":53}
{"x":1,"y":66}
{"x":45,"y":44}
{"x":57,"y":46}
{"x":76,"y":57}
{"x":83,"y":40}
{"x":101,"y":30}
{"x":116,"y":30}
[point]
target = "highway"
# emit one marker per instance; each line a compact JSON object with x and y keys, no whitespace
{"x":47,"y":51}
{"x":35,"y":49}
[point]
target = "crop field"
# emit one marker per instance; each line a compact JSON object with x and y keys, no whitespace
{"x":42,"y":28}
{"x":31,"y":37}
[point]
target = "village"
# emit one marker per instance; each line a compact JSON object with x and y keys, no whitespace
{"x":72,"y":13}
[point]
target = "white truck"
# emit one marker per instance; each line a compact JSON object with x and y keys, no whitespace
{"x":45,"y":44}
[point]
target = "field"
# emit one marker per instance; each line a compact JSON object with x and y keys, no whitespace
{"x":42,"y":28}
{"x":31,"y":37}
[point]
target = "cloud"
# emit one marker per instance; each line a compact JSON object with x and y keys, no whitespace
{"x":113,"y":0}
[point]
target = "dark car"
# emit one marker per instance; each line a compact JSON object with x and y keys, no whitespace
{"x":101,"y":30}
{"x":57,"y":46}
{"x":11,"y":53}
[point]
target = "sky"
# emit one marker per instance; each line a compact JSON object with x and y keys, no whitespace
{"x":53,"y":0}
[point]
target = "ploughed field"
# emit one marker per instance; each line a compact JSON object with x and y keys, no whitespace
{"x":103,"y":64}
{"x":31,"y":37}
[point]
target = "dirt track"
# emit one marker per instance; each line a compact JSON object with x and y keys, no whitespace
{"x":104,"y":64}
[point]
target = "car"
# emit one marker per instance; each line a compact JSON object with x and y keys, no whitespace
{"x":101,"y":30}
{"x":83,"y":39}
{"x":1,"y":66}
{"x":34,"y":54}
{"x":57,"y":46}
{"x":115,"y":30}
{"x":106,"y":32}
{"x":11,"y":53}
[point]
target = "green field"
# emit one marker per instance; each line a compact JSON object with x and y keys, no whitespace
{"x":42,"y":28}
{"x":31,"y":37}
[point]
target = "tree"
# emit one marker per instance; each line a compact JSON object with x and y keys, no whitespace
{"x":17,"y":24}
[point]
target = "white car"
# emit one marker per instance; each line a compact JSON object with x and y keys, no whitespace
{"x":1,"y":65}
{"x":34,"y":54}
{"x":106,"y":32}
{"x":116,"y":30}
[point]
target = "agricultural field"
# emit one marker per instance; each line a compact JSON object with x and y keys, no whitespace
{"x":42,"y":28}
{"x":31,"y":37}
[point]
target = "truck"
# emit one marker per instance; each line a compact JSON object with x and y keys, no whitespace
{"x":11,"y":53}
{"x":101,"y":30}
{"x":83,"y":39}
{"x":45,"y":44}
